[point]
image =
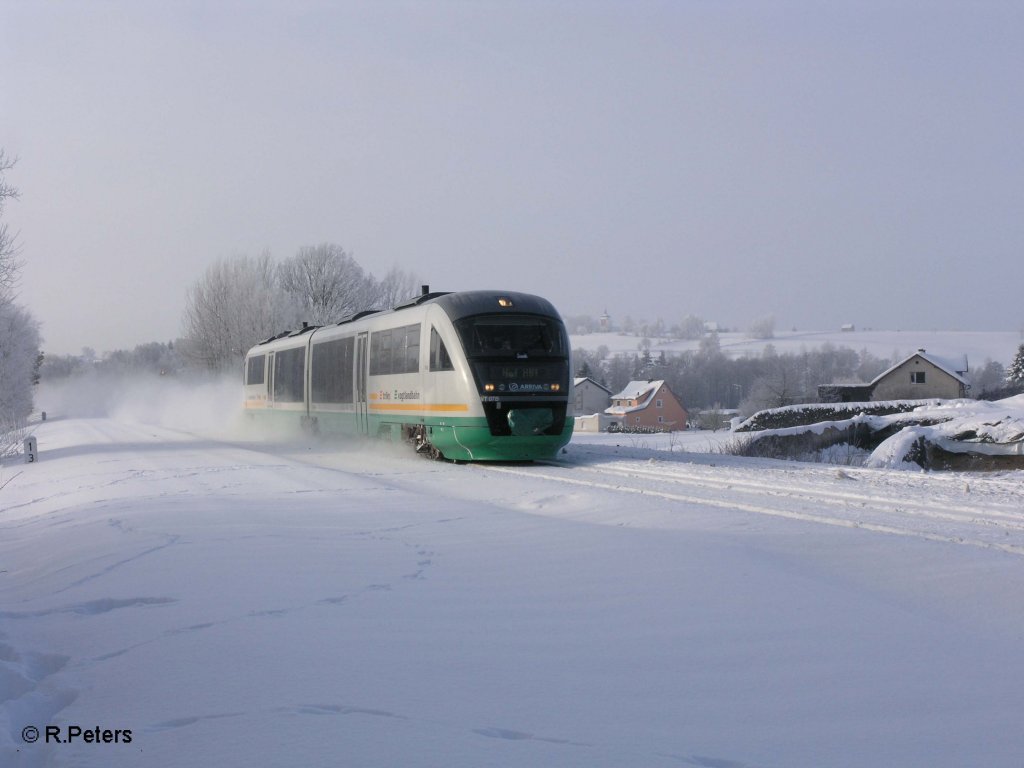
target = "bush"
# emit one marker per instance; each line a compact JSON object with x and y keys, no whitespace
{"x":805,"y":415}
{"x":619,"y":429}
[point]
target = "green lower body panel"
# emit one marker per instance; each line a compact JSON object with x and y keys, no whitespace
{"x":476,"y":443}
{"x":465,"y":439}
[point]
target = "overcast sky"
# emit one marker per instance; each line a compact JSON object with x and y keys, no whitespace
{"x":825,"y":162}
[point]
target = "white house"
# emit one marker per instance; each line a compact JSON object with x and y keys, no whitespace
{"x":922,"y":376}
{"x":590,"y":396}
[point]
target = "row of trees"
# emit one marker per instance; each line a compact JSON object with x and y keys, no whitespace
{"x":689,"y":327}
{"x":709,"y":380}
{"x":242,"y":300}
{"x":706,"y":378}
{"x":154,"y":358}
{"x":19,"y":331}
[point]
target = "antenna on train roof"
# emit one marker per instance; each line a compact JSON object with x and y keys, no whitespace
{"x":415,"y":301}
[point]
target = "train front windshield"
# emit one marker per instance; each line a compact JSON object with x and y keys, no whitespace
{"x":512,"y":336}
{"x":516,"y":354}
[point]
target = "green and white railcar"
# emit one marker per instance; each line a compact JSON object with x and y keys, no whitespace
{"x":478,"y":376}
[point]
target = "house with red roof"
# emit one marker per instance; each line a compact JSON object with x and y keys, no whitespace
{"x":647,"y":405}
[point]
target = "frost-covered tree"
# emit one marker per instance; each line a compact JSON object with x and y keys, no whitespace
{"x":782,"y":381}
{"x":620,"y":371}
{"x":243,"y":300}
{"x":19,"y":364}
{"x":396,"y":286}
{"x":153,"y":358}
{"x":763,"y":328}
{"x":1015,"y":373}
{"x":580,"y":324}
{"x":989,"y":377}
{"x":869,"y":366}
{"x":8,"y":250}
{"x":710,"y":346}
{"x":691,"y":327}
{"x":237,"y":303}
{"x":326,"y":283}
{"x":19,"y":333}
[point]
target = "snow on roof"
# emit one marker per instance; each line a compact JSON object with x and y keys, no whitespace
{"x":953,"y":366}
{"x":635,"y":389}
{"x":641,"y":391}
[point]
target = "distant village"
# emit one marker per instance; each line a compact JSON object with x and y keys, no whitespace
{"x":646,"y":391}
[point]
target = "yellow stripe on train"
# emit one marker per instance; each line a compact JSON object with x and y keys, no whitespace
{"x":429,"y":407}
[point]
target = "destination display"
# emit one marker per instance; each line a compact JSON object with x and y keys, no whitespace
{"x":523,"y":378}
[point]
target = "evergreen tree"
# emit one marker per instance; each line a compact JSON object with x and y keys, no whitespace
{"x":1015,"y":373}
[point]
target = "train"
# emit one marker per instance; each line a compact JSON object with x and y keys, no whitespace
{"x":462,"y":376}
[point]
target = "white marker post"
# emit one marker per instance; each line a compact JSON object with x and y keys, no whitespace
{"x":31,"y":450}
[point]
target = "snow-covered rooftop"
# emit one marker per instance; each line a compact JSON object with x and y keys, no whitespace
{"x":953,"y":366}
{"x":638,"y":389}
{"x":641,"y":391}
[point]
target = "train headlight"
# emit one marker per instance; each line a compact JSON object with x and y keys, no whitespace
{"x":488,"y":387}
{"x":504,"y":302}
{"x":556,"y":387}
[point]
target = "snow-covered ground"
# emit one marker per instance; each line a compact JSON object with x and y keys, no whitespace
{"x":962,"y":426}
{"x":645,"y":601}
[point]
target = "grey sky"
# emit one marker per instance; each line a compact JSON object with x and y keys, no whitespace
{"x":827,"y":162}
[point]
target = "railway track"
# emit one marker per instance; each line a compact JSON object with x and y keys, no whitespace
{"x":931,"y":507}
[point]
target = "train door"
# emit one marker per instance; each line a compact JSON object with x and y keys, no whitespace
{"x":270,"y":379}
{"x":360,"y":372}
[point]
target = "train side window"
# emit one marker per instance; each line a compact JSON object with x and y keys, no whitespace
{"x":332,"y":371}
{"x":255,"y":369}
{"x":395,"y":350}
{"x":289,"y":365}
{"x":380,"y":352}
{"x":411,"y":348}
{"x":439,"y":358}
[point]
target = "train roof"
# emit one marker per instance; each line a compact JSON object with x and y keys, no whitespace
{"x":466,"y":303}
{"x":306,"y":328}
{"x":456,"y":306}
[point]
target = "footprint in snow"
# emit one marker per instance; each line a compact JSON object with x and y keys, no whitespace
{"x":510,"y":735}
{"x":343,"y":709}
{"x":183,"y":722}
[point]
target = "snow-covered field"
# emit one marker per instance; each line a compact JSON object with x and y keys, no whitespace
{"x":645,"y":601}
{"x":979,"y":347}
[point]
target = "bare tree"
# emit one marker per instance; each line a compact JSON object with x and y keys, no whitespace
{"x":763,"y":328}
{"x":396,"y":286}
{"x":988,"y":377}
{"x":242,"y":300}
{"x":691,"y":327}
{"x":19,"y":333}
{"x":19,"y":364}
{"x":236,"y":304}
{"x":326,"y":283}
{"x":9,"y":264}
{"x":779,"y":384}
